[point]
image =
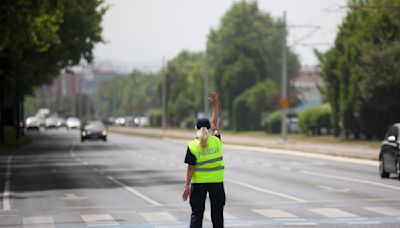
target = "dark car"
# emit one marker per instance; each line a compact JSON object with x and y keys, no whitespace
{"x":389,"y":157}
{"x":93,"y":130}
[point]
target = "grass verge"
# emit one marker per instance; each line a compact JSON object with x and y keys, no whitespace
{"x":11,"y":142}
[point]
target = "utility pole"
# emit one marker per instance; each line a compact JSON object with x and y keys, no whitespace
{"x":164,"y":97}
{"x":284,"y":101}
{"x":206,"y":83}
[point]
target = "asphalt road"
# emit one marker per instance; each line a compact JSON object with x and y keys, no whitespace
{"x":137,"y":182}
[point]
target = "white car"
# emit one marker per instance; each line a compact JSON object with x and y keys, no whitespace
{"x":51,"y":122}
{"x":73,"y":122}
{"x":32,"y":123}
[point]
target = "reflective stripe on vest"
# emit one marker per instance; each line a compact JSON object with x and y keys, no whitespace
{"x":209,"y":167}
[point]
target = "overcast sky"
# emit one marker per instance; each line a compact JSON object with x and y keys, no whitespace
{"x":139,"y":33}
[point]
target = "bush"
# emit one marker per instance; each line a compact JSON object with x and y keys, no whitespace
{"x":188,"y":123}
{"x":155,"y":117}
{"x":248,"y":106}
{"x":272,"y":122}
{"x":314,"y":120}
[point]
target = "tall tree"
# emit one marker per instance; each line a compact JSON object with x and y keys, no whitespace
{"x":245,"y":50}
{"x":39,"y":38}
{"x":360,"y":66}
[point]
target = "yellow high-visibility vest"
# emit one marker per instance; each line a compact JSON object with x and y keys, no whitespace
{"x":209,"y":167}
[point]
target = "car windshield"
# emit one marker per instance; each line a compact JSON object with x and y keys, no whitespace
{"x":94,"y":125}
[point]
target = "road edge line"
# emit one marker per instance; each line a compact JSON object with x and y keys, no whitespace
{"x":7,"y":184}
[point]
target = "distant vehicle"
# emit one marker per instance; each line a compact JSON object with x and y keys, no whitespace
{"x":61,"y":122}
{"x":389,"y":156}
{"x":43,"y":112}
{"x":120,"y":121}
{"x":73,"y":123}
{"x":32,"y":123}
{"x":94,"y":130}
{"x":141,"y":121}
{"x":51,"y":122}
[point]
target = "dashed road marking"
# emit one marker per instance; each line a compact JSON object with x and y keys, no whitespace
{"x":389,"y":211}
{"x":99,"y":220}
{"x":159,"y":217}
{"x":126,"y":187}
{"x":279,"y":194}
{"x":38,"y":222}
{"x":274,"y":213}
{"x":6,"y":192}
{"x":333,"y":213}
{"x":377,"y":184}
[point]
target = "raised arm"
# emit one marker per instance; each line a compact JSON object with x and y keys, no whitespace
{"x":214,"y":111}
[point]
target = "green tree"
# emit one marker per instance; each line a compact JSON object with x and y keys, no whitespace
{"x":184,"y":86}
{"x":131,"y":95}
{"x":245,"y":50}
{"x":363,"y":59}
{"x":251,"y":105}
{"x":38,"y":39}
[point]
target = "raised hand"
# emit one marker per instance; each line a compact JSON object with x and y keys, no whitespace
{"x":213,"y":98}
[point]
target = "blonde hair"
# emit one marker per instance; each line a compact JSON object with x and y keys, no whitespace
{"x":202,"y":134}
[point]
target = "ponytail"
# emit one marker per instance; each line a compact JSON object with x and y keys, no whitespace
{"x":202,"y":134}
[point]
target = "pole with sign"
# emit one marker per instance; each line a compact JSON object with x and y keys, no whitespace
{"x":284,"y":103}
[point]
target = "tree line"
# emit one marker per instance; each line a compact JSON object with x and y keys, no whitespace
{"x":38,"y":39}
{"x":362,"y":70}
{"x":361,"y":74}
{"x":244,"y":66}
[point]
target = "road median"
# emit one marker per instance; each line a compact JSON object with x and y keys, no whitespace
{"x":350,"y":150}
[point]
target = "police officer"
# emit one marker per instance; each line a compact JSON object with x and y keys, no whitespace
{"x":205,"y":171}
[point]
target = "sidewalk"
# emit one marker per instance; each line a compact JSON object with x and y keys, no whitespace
{"x":343,"y":150}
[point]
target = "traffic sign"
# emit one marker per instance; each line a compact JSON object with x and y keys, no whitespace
{"x":284,"y":103}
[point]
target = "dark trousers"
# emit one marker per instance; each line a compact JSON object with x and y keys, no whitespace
{"x":198,"y":199}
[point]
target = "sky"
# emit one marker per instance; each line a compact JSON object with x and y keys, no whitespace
{"x":141,"y":33}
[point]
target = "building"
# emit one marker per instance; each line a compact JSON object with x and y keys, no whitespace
{"x":306,"y":84}
{"x":78,"y":85}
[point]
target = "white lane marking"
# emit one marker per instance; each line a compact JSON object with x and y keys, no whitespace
{"x":159,"y":217}
{"x":6,"y":192}
{"x":331,"y":189}
{"x":389,"y":211}
{"x":333,"y":213}
{"x":266,"y":191}
{"x":73,"y":197}
{"x":304,"y":154}
{"x":266,"y":164}
{"x":274,"y":213}
{"x":135,"y":192}
{"x":350,"y":179}
{"x":99,"y":220}
{"x":301,"y":224}
{"x":227,"y":216}
{"x":364,"y":223}
{"x":285,"y":168}
{"x":126,"y":187}
{"x":38,"y":222}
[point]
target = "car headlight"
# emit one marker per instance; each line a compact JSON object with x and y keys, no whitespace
{"x":83,"y":133}
{"x":104,"y":133}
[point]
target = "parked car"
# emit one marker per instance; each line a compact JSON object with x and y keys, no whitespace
{"x":73,"y":122}
{"x":389,"y":156}
{"x":32,"y":123}
{"x":94,"y":130}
